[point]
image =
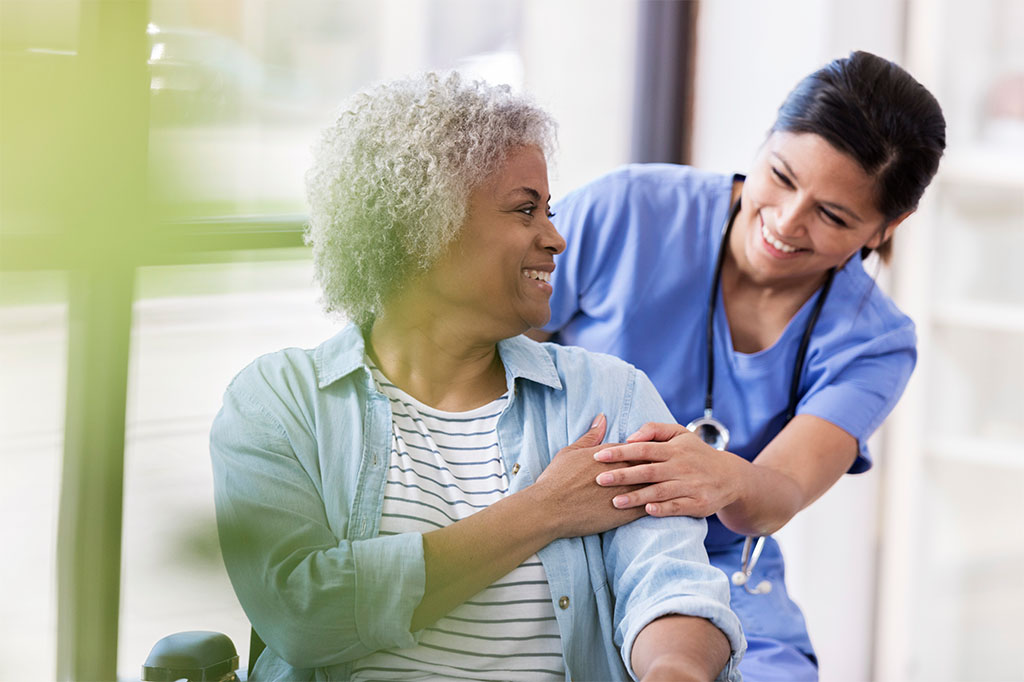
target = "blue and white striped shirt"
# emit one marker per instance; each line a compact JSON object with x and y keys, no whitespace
{"x":445,"y":466}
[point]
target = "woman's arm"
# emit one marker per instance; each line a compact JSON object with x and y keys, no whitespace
{"x":691,"y":478}
{"x":679,"y":649}
{"x":671,"y":610}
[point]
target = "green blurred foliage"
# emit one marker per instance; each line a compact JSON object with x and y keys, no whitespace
{"x":73,"y":133}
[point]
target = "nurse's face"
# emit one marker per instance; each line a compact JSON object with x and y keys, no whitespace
{"x":806,"y":207}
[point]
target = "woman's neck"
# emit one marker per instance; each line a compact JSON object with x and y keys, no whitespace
{"x":434,"y":360}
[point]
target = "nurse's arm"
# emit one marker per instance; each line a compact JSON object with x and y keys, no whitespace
{"x":690,"y":478}
{"x":679,"y":648}
{"x":803,"y":461}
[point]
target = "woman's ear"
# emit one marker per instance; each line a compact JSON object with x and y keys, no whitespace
{"x":883,"y":235}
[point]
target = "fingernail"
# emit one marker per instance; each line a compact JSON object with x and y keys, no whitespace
{"x":597,"y":420}
{"x":602,"y":455}
{"x":604,"y":479}
{"x":652,"y":509}
{"x":620,"y":501}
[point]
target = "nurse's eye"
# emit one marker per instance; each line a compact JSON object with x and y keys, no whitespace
{"x":783,"y":178}
{"x":833,"y":218}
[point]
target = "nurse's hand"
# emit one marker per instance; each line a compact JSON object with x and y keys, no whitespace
{"x":684,"y":476}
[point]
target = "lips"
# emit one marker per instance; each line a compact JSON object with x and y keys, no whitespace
{"x":775,"y":245}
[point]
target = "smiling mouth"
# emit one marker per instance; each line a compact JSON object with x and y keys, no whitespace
{"x":777,"y":244}
{"x":539,"y":275}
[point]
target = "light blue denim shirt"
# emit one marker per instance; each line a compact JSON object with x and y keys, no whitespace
{"x":300,"y":450}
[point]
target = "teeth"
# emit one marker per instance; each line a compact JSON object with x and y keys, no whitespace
{"x":781,"y":246}
{"x":538,"y":275}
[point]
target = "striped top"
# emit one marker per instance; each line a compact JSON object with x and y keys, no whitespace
{"x":444,"y":467}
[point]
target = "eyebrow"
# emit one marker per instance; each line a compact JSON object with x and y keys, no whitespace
{"x":832,"y":205}
{"x":531,"y":192}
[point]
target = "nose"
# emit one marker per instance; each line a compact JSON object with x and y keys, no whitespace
{"x":790,"y":218}
{"x":550,"y":239}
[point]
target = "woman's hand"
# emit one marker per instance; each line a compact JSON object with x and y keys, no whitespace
{"x":567,"y":490}
{"x":465,"y":557}
{"x":686,"y":476}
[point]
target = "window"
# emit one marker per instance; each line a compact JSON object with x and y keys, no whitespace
{"x":152,"y":161}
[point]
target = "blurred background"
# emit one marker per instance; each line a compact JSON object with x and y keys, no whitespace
{"x":151,"y":207}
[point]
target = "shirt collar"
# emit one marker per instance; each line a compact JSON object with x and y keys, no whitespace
{"x":339,"y":355}
{"x":523,"y":358}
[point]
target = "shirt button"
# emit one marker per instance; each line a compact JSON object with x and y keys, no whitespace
{"x":515,"y":468}
{"x":563,"y":603}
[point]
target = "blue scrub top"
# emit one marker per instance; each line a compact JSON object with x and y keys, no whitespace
{"x":634,"y":281}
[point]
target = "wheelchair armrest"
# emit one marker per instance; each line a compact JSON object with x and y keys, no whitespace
{"x":197,"y":656}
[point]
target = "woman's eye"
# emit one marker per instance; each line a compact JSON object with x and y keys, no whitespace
{"x":528,"y":210}
{"x":551,"y":214}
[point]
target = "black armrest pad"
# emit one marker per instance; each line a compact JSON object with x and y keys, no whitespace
{"x":196,"y":655}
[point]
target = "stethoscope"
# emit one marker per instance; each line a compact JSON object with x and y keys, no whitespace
{"x":713,"y":432}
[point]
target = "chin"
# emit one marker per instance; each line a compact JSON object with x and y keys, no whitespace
{"x":541,"y":319}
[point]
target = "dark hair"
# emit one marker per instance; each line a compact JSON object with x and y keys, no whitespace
{"x":874,"y":111}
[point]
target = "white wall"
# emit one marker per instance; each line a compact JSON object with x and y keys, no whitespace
{"x":588,"y":91}
{"x":749,"y":55}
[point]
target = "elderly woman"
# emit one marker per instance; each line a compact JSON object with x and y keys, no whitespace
{"x":388,"y":503}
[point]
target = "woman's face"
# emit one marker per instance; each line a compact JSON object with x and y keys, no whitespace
{"x":496,"y":272}
{"x":806,"y":207}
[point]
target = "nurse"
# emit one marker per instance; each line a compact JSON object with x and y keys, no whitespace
{"x":711,"y":283}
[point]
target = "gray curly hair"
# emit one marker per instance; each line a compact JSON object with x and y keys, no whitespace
{"x":391,"y":179}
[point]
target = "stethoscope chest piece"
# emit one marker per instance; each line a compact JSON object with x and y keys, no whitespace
{"x":749,"y":560}
{"x":710,"y":430}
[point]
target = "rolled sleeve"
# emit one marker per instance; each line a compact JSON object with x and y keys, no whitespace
{"x":385,"y":584}
{"x":658,"y":566}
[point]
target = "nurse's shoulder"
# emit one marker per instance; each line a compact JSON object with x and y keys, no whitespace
{"x":638,"y":182}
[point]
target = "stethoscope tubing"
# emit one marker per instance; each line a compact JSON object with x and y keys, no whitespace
{"x":750,"y":556}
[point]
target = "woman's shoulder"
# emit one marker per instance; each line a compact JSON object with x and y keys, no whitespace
{"x":594,"y":383}
{"x":295,"y":371}
{"x":574,"y":362}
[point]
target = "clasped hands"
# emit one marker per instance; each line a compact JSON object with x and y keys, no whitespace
{"x":681,"y":475}
{"x":661,"y":470}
